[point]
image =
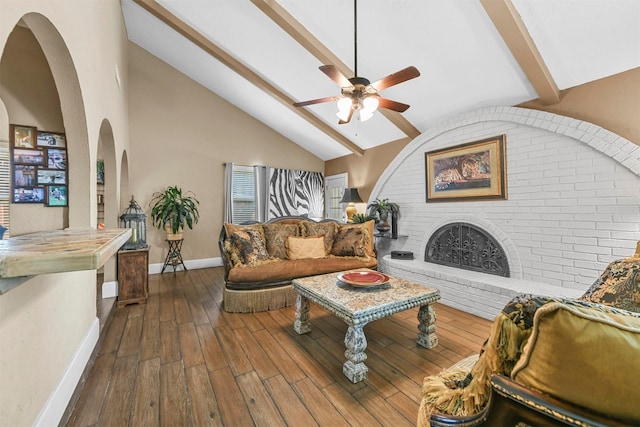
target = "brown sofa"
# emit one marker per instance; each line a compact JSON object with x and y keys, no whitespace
{"x":261,"y":259}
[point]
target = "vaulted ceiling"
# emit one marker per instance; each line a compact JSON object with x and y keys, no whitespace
{"x":263,"y":55}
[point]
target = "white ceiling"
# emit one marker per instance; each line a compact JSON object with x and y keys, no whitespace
{"x":463,"y":60}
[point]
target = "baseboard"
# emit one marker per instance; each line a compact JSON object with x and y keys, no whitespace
{"x":192,"y":264}
{"x":110,"y":289}
{"x":54,"y":408}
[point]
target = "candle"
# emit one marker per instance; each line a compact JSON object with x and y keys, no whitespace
{"x":134,"y":235}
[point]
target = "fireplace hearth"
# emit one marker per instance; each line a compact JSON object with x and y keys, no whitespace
{"x":469,"y":247}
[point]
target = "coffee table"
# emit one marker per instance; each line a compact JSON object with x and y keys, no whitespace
{"x":357,"y":306}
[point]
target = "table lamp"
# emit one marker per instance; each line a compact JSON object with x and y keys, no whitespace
{"x":351,"y":196}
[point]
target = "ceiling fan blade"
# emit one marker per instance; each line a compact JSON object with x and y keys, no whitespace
{"x":342,"y":122}
{"x":335,"y":75}
{"x":315,"y":101}
{"x":395,"y":78}
{"x":392,"y":105}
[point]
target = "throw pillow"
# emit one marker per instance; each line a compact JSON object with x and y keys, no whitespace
{"x":585,"y":355}
{"x":276,"y":238}
{"x":618,"y":286}
{"x":354,"y":240}
{"x":246,"y":244}
{"x":305,"y":247}
{"x":328,"y":229}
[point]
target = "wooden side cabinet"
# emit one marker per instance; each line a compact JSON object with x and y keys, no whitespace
{"x":133,"y":276}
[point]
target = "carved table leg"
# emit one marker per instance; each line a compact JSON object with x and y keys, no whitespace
{"x":302,"y":325}
{"x":354,"y":368}
{"x":427,"y":336}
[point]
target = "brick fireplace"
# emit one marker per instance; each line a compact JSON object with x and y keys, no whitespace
{"x":573,"y":206}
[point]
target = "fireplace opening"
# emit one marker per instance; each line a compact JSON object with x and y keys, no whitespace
{"x":468,"y":247}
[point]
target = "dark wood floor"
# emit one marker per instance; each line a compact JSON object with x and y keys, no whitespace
{"x":180,"y":360}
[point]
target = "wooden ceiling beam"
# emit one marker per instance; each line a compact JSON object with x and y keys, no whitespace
{"x":221,"y":55}
{"x":507,"y":21}
{"x":299,"y":33}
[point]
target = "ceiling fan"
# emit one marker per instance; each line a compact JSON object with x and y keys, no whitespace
{"x":358,"y":93}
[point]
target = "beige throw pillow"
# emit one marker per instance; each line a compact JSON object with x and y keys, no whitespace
{"x":305,"y":247}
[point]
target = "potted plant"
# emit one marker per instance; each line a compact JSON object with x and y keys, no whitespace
{"x":359,"y":218}
{"x":171,"y":209}
{"x":382,"y":208}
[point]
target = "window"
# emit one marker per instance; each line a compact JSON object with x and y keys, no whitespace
{"x":5,"y":186}
{"x":243,"y":194}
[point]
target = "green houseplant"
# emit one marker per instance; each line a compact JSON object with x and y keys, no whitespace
{"x":171,"y":209}
{"x":382,"y":209}
{"x":359,"y":218}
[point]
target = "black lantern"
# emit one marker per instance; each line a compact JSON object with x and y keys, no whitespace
{"x":135,"y":219}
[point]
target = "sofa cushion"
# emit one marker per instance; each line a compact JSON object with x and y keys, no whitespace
{"x":305,"y":247}
{"x":354,"y":240}
{"x":328,"y":229}
{"x":617,"y":286}
{"x":586,"y":355}
{"x":276,"y":237}
{"x":245,"y":277}
{"x":246,"y":244}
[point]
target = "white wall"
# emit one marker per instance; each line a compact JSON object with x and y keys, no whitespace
{"x":573,"y":193}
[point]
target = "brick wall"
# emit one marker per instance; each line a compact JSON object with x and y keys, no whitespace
{"x":573,"y":194}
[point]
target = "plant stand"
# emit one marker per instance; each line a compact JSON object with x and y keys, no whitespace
{"x":174,"y":257}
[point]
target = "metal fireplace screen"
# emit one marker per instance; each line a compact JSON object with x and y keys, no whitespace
{"x":465,"y":246}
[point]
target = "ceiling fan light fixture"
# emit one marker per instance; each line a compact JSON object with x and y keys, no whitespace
{"x":344,"y":108}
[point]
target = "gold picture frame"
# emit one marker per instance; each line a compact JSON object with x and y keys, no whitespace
{"x":472,"y":171}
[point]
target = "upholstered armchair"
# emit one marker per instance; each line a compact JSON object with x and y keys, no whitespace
{"x":551,"y":362}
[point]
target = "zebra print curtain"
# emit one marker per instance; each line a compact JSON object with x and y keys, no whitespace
{"x":296,"y":192}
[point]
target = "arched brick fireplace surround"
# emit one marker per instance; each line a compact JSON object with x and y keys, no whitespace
{"x":573,"y":206}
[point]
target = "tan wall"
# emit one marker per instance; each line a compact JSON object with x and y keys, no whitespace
{"x":43,"y":321}
{"x":612,"y":103}
{"x":182,"y":134}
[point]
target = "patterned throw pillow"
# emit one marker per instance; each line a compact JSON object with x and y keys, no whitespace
{"x":618,"y":286}
{"x":246,"y":244}
{"x":305,"y":247}
{"x":328,"y":229}
{"x":354,"y":240}
{"x":276,"y":237}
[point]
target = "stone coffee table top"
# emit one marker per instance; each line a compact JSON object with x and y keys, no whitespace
{"x":355,"y":305}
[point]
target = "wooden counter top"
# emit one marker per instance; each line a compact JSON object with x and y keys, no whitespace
{"x":59,"y":251}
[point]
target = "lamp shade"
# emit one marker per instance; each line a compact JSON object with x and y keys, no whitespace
{"x":351,"y":196}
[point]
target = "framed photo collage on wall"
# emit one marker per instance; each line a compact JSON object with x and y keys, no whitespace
{"x":39,"y":171}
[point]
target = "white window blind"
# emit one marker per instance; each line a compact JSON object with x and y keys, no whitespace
{"x":243,"y":194}
{"x":5,"y":187}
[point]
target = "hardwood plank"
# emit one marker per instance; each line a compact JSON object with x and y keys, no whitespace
{"x":130,"y":343}
{"x":190,"y":345}
{"x":152,"y":308}
{"x":113,"y":334}
{"x":92,"y":398}
{"x":279,"y":356}
{"x":166,"y":301}
{"x":204,"y":407}
{"x":304,"y":360}
{"x":181,"y":307}
{"x":261,"y":363}
{"x":117,"y":404}
{"x":169,"y":342}
{"x":382,"y":411}
{"x":237,"y":359}
{"x":405,"y":405}
{"x":292,"y":409}
{"x":232,"y":406}
{"x":146,"y":400}
{"x":261,"y":406}
{"x":211,"y":350}
{"x":315,"y":401}
{"x":212,"y":310}
{"x":349,"y":407}
{"x":150,"y":340}
{"x":173,"y":395}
